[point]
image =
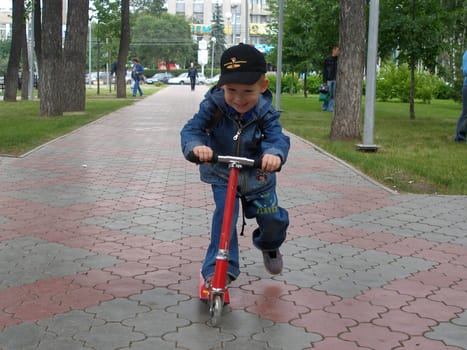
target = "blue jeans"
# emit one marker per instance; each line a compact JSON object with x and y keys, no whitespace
{"x":461,"y":130}
{"x":271,"y":219}
{"x":136,"y":87}
{"x":329,"y":104}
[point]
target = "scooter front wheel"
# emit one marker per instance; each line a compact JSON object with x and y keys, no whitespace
{"x":215,"y":309}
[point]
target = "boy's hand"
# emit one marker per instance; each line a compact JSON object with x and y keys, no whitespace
{"x":204,"y":153}
{"x":271,"y":162}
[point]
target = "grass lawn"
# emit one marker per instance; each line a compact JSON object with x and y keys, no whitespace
{"x":22,"y":129}
{"x":417,"y":156}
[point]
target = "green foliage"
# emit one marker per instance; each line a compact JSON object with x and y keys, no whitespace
{"x":4,"y":53}
{"x":217,"y":31}
{"x":393,"y":82}
{"x":154,"y":7}
{"x":294,"y":83}
{"x":311,"y":28}
{"x":162,"y":38}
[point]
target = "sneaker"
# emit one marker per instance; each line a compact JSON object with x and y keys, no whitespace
{"x":273,"y":261}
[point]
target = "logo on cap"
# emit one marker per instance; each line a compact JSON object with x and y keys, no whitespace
{"x":233,"y":63}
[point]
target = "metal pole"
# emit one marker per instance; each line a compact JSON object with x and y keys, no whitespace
{"x":213,"y":44}
{"x":370,"y":95}
{"x":279,"y":55}
{"x":31,"y":56}
{"x":89,"y":53}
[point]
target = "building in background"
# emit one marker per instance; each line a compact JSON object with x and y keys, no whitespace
{"x":5,"y":20}
{"x":244,"y":20}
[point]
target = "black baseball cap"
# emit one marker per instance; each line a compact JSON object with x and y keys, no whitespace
{"x":241,"y":64}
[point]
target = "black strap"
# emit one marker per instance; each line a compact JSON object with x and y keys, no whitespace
{"x":217,"y":117}
{"x":243,"y":200}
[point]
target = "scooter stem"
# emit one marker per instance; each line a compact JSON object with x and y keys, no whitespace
{"x":222,"y":259}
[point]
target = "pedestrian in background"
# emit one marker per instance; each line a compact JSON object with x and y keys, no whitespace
{"x":138,"y":75}
{"x":329,"y":78}
{"x":461,"y":131}
{"x":193,"y":74}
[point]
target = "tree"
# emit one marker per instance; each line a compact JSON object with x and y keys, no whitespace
{"x":124,"y":48}
{"x":154,"y":7}
{"x":217,"y":31}
{"x":153,"y":42}
{"x":346,"y":122}
{"x":51,"y":79}
{"x":11,"y":84}
{"x":106,"y":32}
{"x":25,"y":66}
{"x":306,"y":41}
{"x":75,"y":55}
{"x":416,"y":30}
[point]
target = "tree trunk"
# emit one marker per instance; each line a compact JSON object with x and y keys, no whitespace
{"x":25,"y":66}
{"x":123,"y":50}
{"x":11,"y":83}
{"x":74,"y":94}
{"x":346,"y":123}
{"x":37,"y":40}
{"x":51,"y":78}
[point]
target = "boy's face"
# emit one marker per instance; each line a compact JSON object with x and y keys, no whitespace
{"x":243,"y":97}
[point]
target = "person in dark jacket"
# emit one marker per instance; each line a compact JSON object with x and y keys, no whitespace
{"x":137,"y":74}
{"x":329,"y":78}
{"x":249,"y":127}
{"x":193,"y":74}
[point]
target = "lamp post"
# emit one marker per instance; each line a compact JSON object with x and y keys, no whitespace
{"x":213,"y":44}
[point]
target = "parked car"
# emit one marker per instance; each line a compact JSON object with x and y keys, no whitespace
{"x":213,"y":80}
{"x":103,"y":78}
{"x":161,"y":77}
{"x":185,"y":79}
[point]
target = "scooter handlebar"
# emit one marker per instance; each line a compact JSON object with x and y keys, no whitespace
{"x":256,"y":163}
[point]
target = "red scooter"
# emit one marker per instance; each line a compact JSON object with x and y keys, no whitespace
{"x":216,"y":292}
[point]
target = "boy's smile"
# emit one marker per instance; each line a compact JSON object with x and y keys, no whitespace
{"x":243,"y":97}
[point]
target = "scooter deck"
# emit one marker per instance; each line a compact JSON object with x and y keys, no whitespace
{"x":205,"y":292}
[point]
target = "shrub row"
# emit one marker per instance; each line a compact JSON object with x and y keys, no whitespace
{"x":393,"y":82}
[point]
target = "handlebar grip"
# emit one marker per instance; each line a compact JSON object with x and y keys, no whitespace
{"x":191,"y":157}
{"x":258,"y":162}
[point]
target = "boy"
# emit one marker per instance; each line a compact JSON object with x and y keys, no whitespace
{"x":247,"y":126}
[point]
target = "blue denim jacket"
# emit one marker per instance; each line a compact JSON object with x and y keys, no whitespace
{"x":231,"y":136}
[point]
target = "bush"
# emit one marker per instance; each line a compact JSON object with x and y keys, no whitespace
{"x":296,"y":84}
{"x":393,"y":82}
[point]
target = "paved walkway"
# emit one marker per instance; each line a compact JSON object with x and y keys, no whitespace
{"x":102,"y":233}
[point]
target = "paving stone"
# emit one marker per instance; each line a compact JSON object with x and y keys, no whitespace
{"x":156,"y":323}
{"x":41,"y":259}
{"x":159,"y":298}
{"x":109,"y":336}
{"x":101,"y":246}
{"x":25,"y":336}
{"x":117,"y":310}
{"x":450,"y":334}
{"x":280,"y":335}
{"x":199,"y":337}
